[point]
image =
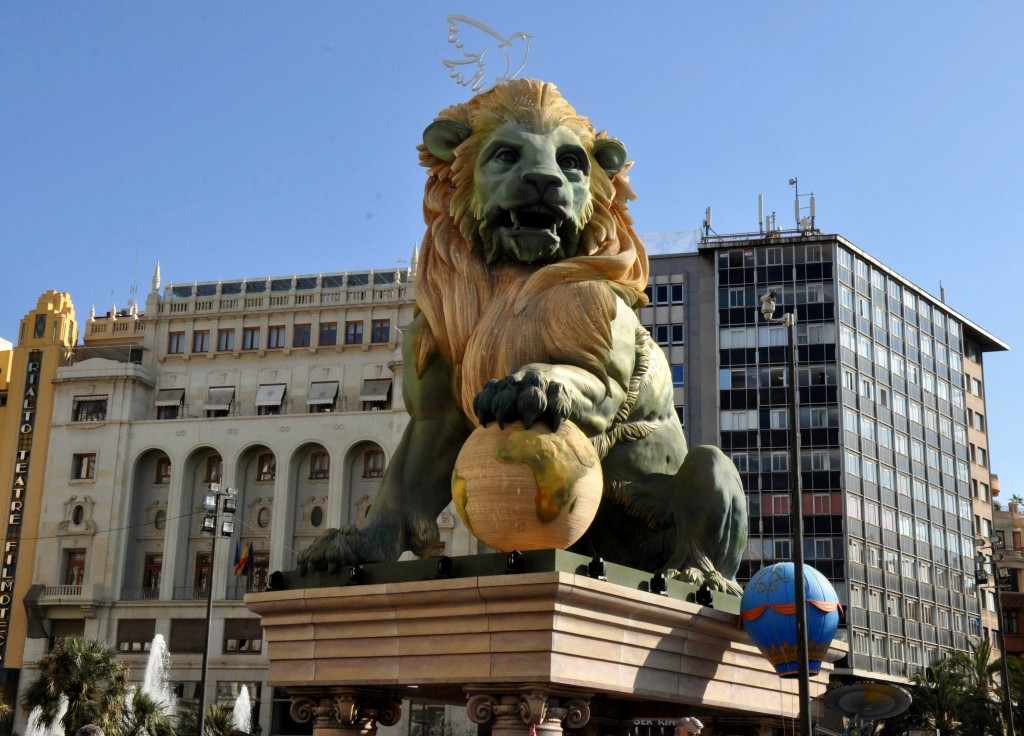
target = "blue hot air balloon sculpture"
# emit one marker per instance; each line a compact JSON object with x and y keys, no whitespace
{"x":768,"y":615}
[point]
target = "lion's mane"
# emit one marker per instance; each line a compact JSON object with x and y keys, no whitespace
{"x":487,"y":318}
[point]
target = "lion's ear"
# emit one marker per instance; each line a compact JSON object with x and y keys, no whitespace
{"x":442,"y":137}
{"x":610,"y":155}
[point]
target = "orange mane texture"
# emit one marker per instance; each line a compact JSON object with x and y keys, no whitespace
{"x":488,"y":319}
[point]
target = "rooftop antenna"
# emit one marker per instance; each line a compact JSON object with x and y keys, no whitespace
{"x":802,"y":223}
{"x":707,"y":222}
{"x":760,"y":213}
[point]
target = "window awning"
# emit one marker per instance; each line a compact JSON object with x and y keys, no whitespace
{"x":322,"y":392}
{"x":92,"y":397}
{"x":220,"y":398}
{"x":375,"y":389}
{"x":271,"y":394}
{"x":170,"y":396}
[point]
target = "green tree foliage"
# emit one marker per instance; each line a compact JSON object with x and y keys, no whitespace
{"x":958,"y":694}
{"x":220,"y":721}
{"x":88,"y":673}
{"x":145,"y":717}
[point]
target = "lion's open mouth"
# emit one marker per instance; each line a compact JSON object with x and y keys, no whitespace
{"x":530,"y":234}
{"x":536,"y":217}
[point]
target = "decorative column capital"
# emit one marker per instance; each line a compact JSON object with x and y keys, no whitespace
{"x":349,"y":711}
{"x":517,"y":707}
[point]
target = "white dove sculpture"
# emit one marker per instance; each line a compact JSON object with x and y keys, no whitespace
{"x":470,"y":69}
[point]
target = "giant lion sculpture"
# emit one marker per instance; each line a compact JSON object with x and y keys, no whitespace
{"x":529,"y":278}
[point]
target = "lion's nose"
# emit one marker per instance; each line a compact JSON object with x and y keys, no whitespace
{"x":542,"y":180}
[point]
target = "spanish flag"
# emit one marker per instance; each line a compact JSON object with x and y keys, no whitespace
{"x":243,"y":560}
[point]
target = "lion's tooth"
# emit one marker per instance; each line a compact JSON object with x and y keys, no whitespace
{"x":515,"y":219}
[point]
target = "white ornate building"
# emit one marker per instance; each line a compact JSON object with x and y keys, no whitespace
{"x":288,"y":390}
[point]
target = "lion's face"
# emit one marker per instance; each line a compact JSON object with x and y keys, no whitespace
{"x":525,"y":171}
{"x":532,"y":194}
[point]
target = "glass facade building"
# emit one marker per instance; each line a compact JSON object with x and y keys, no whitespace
{"x":886,"y":377}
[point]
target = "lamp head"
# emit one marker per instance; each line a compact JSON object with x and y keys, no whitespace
{"x":768,"y":305}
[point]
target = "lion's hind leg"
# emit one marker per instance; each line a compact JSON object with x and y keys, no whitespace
{"x":711,"y":520}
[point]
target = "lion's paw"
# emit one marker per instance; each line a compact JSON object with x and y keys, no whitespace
{"x":336,"y":547}
{"x":691,"y":575}
{"x":528,"y":396}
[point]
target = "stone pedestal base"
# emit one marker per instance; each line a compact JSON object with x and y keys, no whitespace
{"x":549,"y":650}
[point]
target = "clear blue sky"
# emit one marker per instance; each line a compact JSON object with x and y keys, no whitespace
{"x":248,"y":139}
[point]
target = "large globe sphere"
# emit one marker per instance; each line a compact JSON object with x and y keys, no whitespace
{"x":525,"y":489}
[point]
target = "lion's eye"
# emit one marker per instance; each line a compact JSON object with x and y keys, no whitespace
{"x":506,"y":156}
{"x":569,"y":161}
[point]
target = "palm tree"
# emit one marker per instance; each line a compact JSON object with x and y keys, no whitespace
{"x":146,"y":717}
{"x":88,"y":673}
{"x":219,"y":721}
{"x":956,"y":695}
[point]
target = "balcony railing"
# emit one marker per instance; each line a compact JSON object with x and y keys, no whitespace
{"x":62,"y":591}
{"x":190,"y":593}
{"x":140,"y":594}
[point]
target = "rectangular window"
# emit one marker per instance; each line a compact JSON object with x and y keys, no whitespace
{"x":152,"y":567}
{"x":738,"y":420}
{"x":676,"y":293}
{"x":678,"y":376}
{"x":162,"y":471}
{"x":225,"y":340}
{"x":381,"y":330}
{"x":89,"y":409}
{"x":301,"y":336}
{"x":661,"y":334}
{"x":188,"y":636}
{"x":74,"y":566}
{"x":136,"y":634}
{"x":176,"y":343}
{"x":373,"y":464}
{"x":319,"y":466}
{"x":328,"y":333}
{"x":778,"y":418}
{"x":243,"y":636}
{"x":250,"y":338}
{"x":353,"y":333}
{"x":275,"y":336}
{"x":83,"y":466}
{"x":201,"y":341}
{"x":661,"y":294}
{"x":678,"y":335}
{"x":266,"y":467}
{"x":214,"y":469}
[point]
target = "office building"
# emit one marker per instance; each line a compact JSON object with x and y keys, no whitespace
{"x":894,"y":461}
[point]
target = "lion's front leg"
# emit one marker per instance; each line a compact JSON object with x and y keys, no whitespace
{"x":550,"y":394}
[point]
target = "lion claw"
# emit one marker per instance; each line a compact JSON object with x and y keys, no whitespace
{"x":530,"y":398}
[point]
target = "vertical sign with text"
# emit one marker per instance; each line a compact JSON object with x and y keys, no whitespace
{"x":19,"y":491}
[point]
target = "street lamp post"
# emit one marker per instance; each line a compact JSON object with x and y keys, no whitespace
{"x":981,"y":575}
{"x":217,"y":503}
{"x":796,"y":518}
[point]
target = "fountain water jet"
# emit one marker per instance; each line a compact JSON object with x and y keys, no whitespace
{"x":242,"y":712}
{"x":155,"y":683}
{"x":35,"y":728}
